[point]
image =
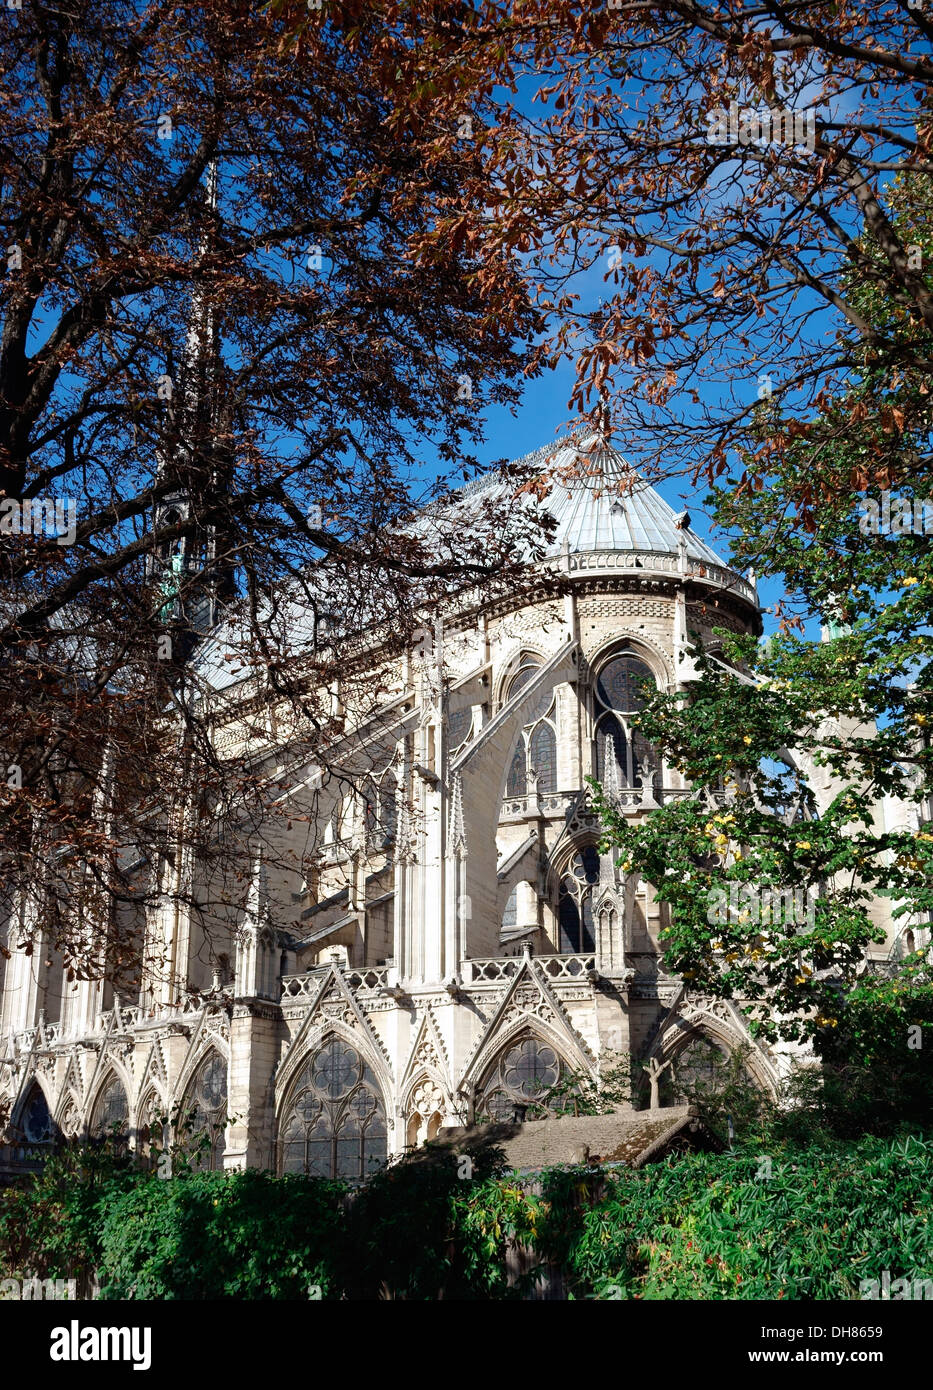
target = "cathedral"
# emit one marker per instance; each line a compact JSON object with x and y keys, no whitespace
{"x":429,"y":936}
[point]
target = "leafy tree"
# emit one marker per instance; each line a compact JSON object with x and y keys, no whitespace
{"x":851,"y":711}
{"x":227,"y":336}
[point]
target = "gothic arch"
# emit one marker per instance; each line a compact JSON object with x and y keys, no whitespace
{"x":311,"y":1038}
{"x":104,"y":1110}
{"x":426,"y":1100}
{"x":333,"y":1118}
{"x":519,"y":656}
{"x":202,"y":1112}
{"x":526,"y":1062}
{"x":68,"y":1115}
{"x":202,"y":1043}
{"x":150,"y":1104}
{"x":33,"y":1114}
{"x":621,"y":644}
{"x":680,"y":1032}
{"x":566,"y":1045}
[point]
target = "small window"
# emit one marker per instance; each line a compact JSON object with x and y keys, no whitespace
{"x":111,"y":1113}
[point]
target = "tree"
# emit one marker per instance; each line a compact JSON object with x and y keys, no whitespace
{"x":227,"y":338}
{"x":856,"y":705}
{"x":707,"y":170}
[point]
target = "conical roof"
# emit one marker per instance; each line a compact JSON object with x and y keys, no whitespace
{"x":601,"y":503}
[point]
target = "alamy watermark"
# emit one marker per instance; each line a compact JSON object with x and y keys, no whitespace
{"x":898,"y":1289}
{"x":35,"y":1289}
{"x":774,"y":126}
{"x":748,"y":902}
{"x":54,"y":516}
{"x":896,"y":516}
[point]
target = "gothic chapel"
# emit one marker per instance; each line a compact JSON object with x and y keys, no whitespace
{"x":459,"y":943}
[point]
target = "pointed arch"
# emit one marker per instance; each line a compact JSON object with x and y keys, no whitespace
{"x":519,"y":1077}
{"x":68,"y":1115}
{"x":203,"y":1113}
{"x":516,"y":784}
{"x":35,"y":1115}
{"x":110,"y":1112}
{"x":333,"y":1122}
{"x":688,"y":1019}
{"x":542,"y":755}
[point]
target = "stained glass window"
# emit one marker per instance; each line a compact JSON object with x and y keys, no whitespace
{"x":696,"y":1069}
{"x":111,"y":1112}
{"x":517,"y":1086}
{"x":622,"y":688}
{"x":510,"y":912}
{"x":335,"y":1126}
{"x":611,"y":740}
{"x":625,"y":684}
{"x":529,"y":668}
{"x":542,"y":751}
{"x":205,"y":1113}
{"x":575,"y":906}
{"x":37,"y":1122}
{"x":458,"y":726}
{"x":517,"y":780}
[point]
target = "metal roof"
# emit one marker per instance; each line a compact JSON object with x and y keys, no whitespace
{"x":601,"y":503}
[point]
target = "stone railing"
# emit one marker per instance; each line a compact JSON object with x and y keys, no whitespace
{"x":660,"y":562}
{"x":23,"y":1158}
{"x":628,"y":800}
{"x":493,"y":969}
{"x":367,"y":979}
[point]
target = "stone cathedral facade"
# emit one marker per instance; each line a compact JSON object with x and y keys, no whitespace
{"x":448,"y":941}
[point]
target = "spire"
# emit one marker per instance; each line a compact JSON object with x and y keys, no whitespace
{"x":195,"y":458}
{"x":457,"y":831}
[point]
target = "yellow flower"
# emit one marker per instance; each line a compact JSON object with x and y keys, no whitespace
{"x":746,"y":738}
{"x":920,"y":719}
{"x":922,"y":835}
{"x":906,"y":583}
{"x":802,"y":844}
{"x":627,"y":864}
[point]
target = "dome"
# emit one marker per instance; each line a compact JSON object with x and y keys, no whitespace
{"x":600,"y":503}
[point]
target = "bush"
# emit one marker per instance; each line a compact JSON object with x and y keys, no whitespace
{"x":772,"y":1218}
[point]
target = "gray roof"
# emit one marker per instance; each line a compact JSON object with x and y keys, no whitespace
{"x":601,"y":503}
{"x":597,"y":500}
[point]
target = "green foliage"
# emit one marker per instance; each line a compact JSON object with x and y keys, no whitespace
{"x":223,"y":1235}
{"x":769,"y":1219}
{"x":857,"y":707}
{"x":751,"y":1224}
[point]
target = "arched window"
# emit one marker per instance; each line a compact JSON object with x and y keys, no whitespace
{"x":37,"y":1120}
{"x":623,"y":687}
{"x":542,"y":755}
{"x":518,"y":1084}
{"x":459,"y":725}
{"x":510,"y":911}
{"x":204,"y":1114}
{"x":575,"y":906}
{"x":517,"y":781}
{"x":335,"y":1124}
{"x":695,"y":1069}
{"x":151,"y":1131}
{"x":111,"y":1113}
{"x":534,"y":761}
{"x":426,"y":1114}
{"x":381,"y":810}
